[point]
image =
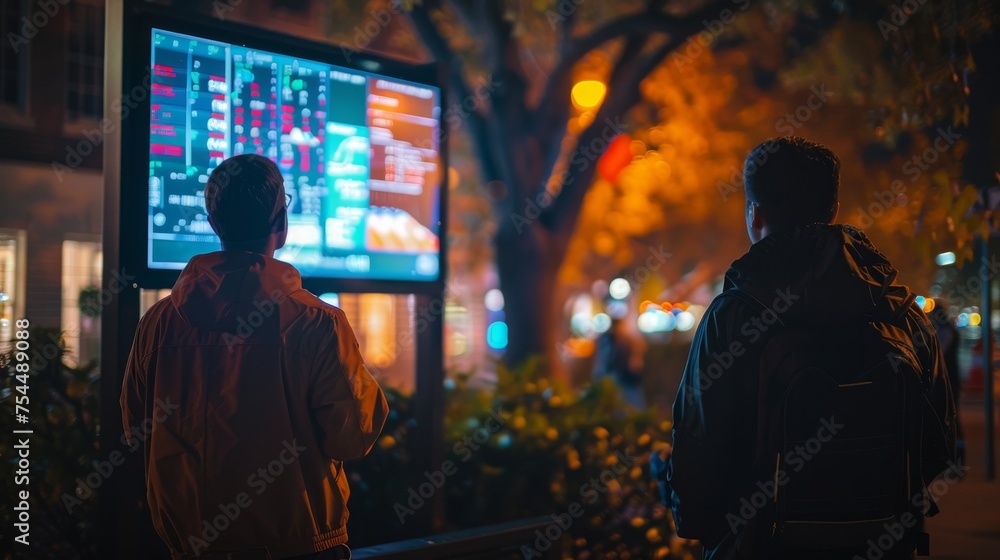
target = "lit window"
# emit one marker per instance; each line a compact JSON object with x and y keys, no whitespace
{"x":148,"y":298}
{"x":378,"y":322}
{"x":11,"y":284}
{"x":457,"y":325}
{"x":83,"y":300}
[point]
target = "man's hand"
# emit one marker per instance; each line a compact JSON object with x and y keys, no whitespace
{"x":658,"y":472}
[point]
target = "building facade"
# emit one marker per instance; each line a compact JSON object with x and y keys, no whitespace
{"x":51,"y":104}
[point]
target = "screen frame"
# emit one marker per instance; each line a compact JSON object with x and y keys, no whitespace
{"x":139,"y":21}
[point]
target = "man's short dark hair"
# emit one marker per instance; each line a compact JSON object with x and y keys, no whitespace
{"x":793,"y":181}
{"x":244,"y":196}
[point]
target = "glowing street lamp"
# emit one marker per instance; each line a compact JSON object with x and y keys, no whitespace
{"x":588,"y":94}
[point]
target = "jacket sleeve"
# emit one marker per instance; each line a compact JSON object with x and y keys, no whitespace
{"x":348,"y":406}
{"x":940,"y":417}
{"x":714,"y":423}
{"x":133,"y":396}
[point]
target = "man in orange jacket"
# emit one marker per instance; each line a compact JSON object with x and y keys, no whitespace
{"x":268,"y":391}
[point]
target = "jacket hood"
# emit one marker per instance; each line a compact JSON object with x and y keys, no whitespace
{"x":216,"y":289}
{"x":831,"y":273}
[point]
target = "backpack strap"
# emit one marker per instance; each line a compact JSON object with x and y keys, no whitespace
{"x":753,"y":302}
{"x":759,"y":308}
{"x":901,"y":311}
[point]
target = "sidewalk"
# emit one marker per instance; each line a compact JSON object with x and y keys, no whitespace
{"x":968,"y":527}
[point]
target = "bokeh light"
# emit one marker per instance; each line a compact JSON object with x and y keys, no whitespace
{"x":602,"y":322}
{"x":494,"y":300}
{"x":581,"y":324}
{"x":617,"y":309}
{"x":496,"y":335}
{"x":588,"y":94}
{"x":619,"y":288}
{"x":945,"y":259}
{"x":685,"y":320}
{"x":928,"y":305}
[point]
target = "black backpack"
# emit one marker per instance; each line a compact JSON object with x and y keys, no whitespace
{"x":838,"y":437}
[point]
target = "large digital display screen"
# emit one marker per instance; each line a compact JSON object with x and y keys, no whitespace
{"x":359,"y":154}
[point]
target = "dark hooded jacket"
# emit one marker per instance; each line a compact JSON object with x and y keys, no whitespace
{"x":814,"y":276}
{"x":248,"y":392}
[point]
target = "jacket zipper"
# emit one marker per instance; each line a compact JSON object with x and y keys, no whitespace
{"x":774,"y":522}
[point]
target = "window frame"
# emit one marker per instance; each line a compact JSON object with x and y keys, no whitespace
{"x":18,"y":115}
{"x":74,"y":125}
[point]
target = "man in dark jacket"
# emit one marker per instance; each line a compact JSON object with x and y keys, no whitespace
{"x":805,"y":271}
{"x":248,"y":392}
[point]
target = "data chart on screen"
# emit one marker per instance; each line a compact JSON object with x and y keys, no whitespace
{"x":359,"y":154}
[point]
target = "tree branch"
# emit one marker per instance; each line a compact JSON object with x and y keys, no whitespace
{"x":513,"y":120}
{"x":478,"y":120}
{"x":552,"y":109}
{"x":646,"y":22}
{"x":560,"y":216}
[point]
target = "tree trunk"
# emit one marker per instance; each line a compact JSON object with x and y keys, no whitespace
{"x":528,"y":269}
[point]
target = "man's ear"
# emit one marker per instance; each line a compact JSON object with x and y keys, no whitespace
{"x":280,"y":228}
{"x":756,"y":217}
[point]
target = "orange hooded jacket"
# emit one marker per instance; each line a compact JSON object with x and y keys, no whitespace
{"x":248,"y":393}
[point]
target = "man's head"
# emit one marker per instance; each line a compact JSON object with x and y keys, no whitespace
{"x":245,"y":200}
{"x":790,"y":182}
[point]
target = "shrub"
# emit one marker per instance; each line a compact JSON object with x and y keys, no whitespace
{"x":523,"y":448}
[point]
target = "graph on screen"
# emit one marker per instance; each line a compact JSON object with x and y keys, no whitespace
{"x":359,"y":154}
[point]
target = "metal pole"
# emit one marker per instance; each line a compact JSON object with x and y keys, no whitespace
{"x":428,"y":437}
{"x":985,"y":313}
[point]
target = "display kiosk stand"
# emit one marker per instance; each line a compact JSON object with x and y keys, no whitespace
{"x":125,"y":530}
